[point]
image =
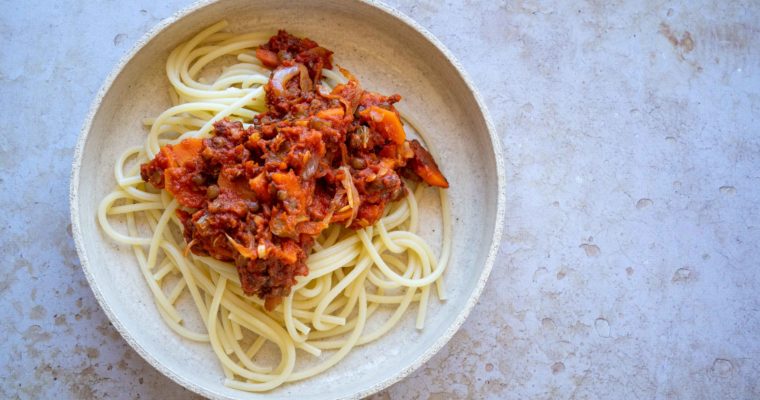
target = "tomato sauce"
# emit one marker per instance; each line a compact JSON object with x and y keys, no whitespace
{"x":259,"y":196}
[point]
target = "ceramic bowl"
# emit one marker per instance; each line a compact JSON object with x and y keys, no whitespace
{"x":389,"y":53}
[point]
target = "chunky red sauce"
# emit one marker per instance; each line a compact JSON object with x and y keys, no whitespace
{"x":259,"y":196}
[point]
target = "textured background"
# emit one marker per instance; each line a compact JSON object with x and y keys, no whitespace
{"x":629,"y":264}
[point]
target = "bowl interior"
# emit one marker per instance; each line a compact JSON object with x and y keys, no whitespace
{"x":387,"y":56}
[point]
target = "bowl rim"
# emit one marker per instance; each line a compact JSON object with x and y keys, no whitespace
{"x":437,"y":344}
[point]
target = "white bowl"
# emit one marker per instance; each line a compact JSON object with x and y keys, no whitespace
{"x":389,"y":53}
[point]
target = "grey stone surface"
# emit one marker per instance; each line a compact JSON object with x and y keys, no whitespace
{"x":629,"y":267}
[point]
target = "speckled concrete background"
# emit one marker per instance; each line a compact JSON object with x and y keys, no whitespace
{"x":630,"y":264}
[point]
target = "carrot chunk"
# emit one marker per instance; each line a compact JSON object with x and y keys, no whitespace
{"x":386,"y":122}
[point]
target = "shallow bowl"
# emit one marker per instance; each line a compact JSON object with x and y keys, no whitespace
{"x":389,"y":53}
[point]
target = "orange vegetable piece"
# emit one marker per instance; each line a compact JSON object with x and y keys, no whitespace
{"x":184,"y":151}
{"x":176,"y":180}
{"x":268,"y":58}
{"x":260,"y":186}
{"x":425,"y":167}
{"x":386,"y":122}
{"x":331,"y":113}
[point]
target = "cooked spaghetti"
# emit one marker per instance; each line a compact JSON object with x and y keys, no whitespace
{"x":272,"y":196}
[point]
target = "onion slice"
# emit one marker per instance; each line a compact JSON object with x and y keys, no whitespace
{"x":354,"y":201}
{"x":281,"y":76}
{"x":246,"y":252}
{"x":306,"y":84}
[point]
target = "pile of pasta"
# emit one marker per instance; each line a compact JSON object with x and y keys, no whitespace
{"x":352,"y":273}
